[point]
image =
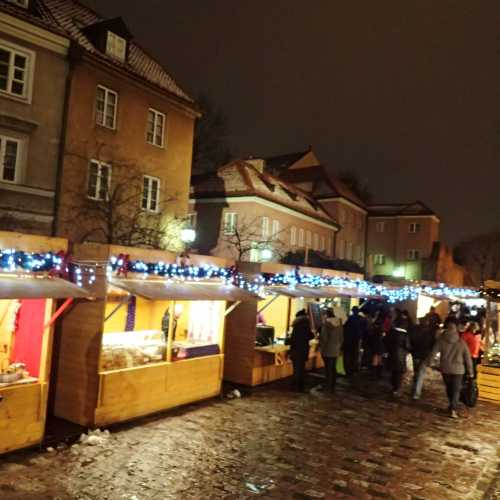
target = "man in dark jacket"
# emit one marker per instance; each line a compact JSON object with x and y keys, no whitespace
{"x":299,"y":348}
{"x":455,"y":361}
{"x":398,"y":345}
{"x":354,"y":331}
{"x":422,"y":339}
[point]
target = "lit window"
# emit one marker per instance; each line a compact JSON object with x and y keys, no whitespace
{"x":293,"y":236}
{"x":106,"y":107}
{"x":413,"y":254}
{"x":22,"y":3}
{"x":156,"y":128}
{"x":265,"y":227}
{"x":414,"y":227}
{"x":99,"y":180}
{"x":230,"y":221}
{"x":301,"y":238}
{"x":308,"y":239}
{"x":380,"y":227}
{"x":151,"y":194}
{"x":116,"y":46}
{"x":14,"y":71}
{"x":276,"y":228}
{"x":9,"y":159}
{"x":316,"y":241}
{"x":379,"y":259}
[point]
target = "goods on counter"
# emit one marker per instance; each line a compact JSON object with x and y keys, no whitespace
{"x":131,"y":349}
{"x":492,"y":358}
{"x":13,"y":373}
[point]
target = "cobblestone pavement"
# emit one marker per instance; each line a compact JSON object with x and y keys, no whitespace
{"x":275,"y":444}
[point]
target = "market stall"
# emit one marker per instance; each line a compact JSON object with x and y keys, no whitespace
{"x":153,"y":340}
{"x":256,"y":350}
{"x":29,"y":293}
{"x":488,"y":379}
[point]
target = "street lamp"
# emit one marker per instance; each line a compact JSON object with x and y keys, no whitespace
{"x":266,"y":254}
{"x":188,"y":235}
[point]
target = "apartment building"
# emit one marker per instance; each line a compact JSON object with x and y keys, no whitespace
{"x":242,"y":212}
{"x":305,"y":171}
{"x":33,"y":74}
{"x":400,"y":238}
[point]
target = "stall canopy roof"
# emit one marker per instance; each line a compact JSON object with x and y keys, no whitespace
{"x":36,"y":287}
{"x":161,"y":290}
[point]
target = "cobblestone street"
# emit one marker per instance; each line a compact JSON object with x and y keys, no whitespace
{"x":276,"y":444}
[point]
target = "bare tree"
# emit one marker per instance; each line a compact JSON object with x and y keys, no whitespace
{"x":480,"y":256}
{"x":246,"y":236}
{"x":111,"y":205}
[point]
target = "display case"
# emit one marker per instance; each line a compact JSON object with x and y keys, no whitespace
{"x":132,"y":349}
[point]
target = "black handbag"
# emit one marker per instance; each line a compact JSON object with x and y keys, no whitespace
{"x":470,"y":393}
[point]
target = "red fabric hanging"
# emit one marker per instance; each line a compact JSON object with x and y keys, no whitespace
{"x":29,"y":335}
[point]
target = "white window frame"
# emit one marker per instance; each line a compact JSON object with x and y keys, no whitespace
{"x":112,"y":44}
{"x":265,"y":227}
{"x":229,"y":223}
{"x":301,"y":238}
{"x":149,"y":200}
{"x":293,"y":236}
{"x":29,"y":71}
{"x":380,"y":227}
{"x":107,"y":92}
{"x":156,"y":115}
{"x":275,"y":229}
{"x":379,"y":259}
{"x":413,"y":254}
{"x":414,"y":227}
{"x":192,"y":219}
{"x":19,"y":156}
{"x":100,"y":165}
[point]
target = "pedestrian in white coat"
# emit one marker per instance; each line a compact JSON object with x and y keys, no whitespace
{"x":330,"y":342}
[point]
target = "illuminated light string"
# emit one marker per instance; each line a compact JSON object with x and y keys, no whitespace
{"x":12,"y":260}
{"x":362,"y":287}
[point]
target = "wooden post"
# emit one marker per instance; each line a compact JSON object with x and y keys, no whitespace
{"x":170,"y":338}
{"x":488,"y":324}
{"x":288,"y":313}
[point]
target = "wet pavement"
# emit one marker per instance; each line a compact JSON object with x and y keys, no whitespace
{"x":272,"y":443}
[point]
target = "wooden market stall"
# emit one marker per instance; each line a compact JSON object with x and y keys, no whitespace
{"x":148,"y":343}
{"x":256,"y":352}
{"x":488,"y":378}
{"x":28,"y":311}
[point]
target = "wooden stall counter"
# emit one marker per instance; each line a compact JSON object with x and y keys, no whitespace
{"x":488,"y":381}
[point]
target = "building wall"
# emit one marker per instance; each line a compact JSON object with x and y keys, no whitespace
{"x":28,"y":205}
{"x":395,"y":242}
{"x":127,"y":145}
{"x":209,"y":226}
{"x":350,"y":241}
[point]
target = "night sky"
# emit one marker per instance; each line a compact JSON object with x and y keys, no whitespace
{"x":404,"y":92}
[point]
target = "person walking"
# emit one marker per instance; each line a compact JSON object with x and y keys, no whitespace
{"x":377,"y":346}
{"x":299,"y":348}
{"x":433,"y":318}
{"x":330,"y":342}
{"x":455,"y":361}
{"x":354,"y":332}
{"x":398,"y":346}
{"x":422,"y":339}
{"x":472,"y":337}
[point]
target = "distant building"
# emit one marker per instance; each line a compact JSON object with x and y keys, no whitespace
{"x":305,"y":171}
{"x":400,"y":238}
{"x":241,"y":211}
{"x":33,"y":74}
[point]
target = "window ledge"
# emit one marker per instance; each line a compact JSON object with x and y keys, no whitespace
{"x":18,"y":188}
{"x":16,"y":123}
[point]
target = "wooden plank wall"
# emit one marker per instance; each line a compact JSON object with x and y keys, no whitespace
{"x":240,"y":344}
{"x":488,"y":381}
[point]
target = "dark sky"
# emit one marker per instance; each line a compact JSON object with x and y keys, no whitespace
{"x":405,"y":92}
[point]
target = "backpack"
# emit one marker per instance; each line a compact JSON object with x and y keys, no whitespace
{"x":470,"y":393}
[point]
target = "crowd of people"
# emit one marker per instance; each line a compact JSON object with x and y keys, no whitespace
{"x":385,"y":340}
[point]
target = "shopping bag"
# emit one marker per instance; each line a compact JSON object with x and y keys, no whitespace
{"x":340,"y":365}
{"x":469,"y":393}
